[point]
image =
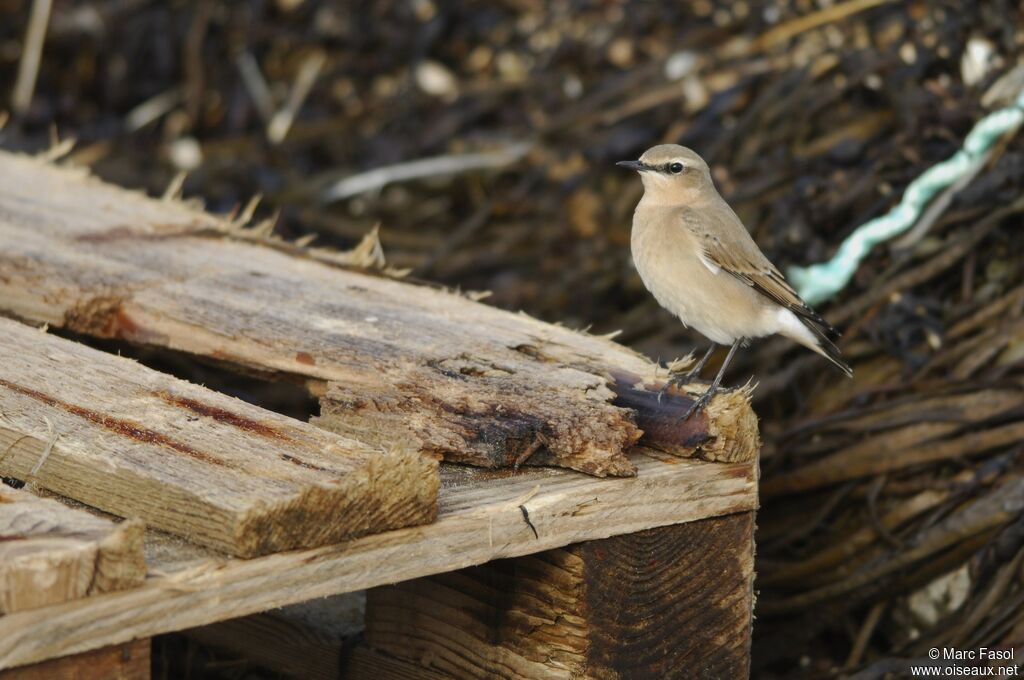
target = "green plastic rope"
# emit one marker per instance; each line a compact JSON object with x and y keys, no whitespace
{"x":819,"y":282}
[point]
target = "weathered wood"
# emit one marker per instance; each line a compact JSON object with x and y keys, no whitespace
{"x":672,"y":602}
{"x":130,"y":661}
{"x":725,"y":431}
{"x":364,"y":663}
{"x":482,"y":517}
{"x":393,"y":362}
{"x":277,"y":644}
{"x":115,"y":435}
{"x":51,"y":553}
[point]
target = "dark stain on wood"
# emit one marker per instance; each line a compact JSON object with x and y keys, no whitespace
{"x":223,"y":416}
{"x":673,"y":602}
{"x":95,"y":315}
{"x":661,"y":419}
{"x":666,"y":603}
{"x":104,"y":316}
{"x":122,"y":325}
{"x":305,"y":358}
{"x":301,"y":463}
{"x":125,"y":428}
{"x":533,"y":352}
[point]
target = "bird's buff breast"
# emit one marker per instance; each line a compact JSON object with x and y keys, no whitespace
{"x":715,"y":304}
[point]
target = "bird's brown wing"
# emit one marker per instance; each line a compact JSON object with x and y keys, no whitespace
{"x":727,"y":244}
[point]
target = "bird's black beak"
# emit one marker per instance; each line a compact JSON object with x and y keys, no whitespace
{"x":632,"y":165}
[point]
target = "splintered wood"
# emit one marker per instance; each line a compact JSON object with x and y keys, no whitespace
{"x":51,"y":553}
{"x":393,"y":362}
{"x":115,"y":435}
{"x":484,"y":515}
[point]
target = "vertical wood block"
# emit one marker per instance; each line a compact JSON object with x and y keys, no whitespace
{"x":671,"y":602}
{"x":130,"y":661}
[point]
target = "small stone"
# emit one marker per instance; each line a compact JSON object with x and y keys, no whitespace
{"x":186,"y":153}
{"x":436,"y":80}
{"x":680,"y":65}
{"x":977,"y":60}
{"x":620,"y":52}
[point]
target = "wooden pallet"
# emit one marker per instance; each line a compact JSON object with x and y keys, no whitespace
{"x":541,"y":573}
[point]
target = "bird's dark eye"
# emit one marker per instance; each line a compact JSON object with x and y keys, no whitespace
{"x":675,"y":168}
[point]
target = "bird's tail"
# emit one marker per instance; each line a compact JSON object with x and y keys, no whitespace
{"x":826,"y":348}
{"x":814,"y":336}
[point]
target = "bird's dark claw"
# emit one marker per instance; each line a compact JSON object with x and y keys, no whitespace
{"x":677,"y":380}
{"x":700,"y":404}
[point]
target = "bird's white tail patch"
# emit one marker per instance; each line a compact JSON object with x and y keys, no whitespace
{"x":794,"y":329}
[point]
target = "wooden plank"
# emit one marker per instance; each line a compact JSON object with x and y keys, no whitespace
{"x":130,"y":661}
{"x":134,"y":442}
{"x":394,"y":362}
{"x":51,"y":553}
{"x":482,"y":517}
{"x":671,"y":602}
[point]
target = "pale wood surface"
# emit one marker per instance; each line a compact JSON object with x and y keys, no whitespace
{"x":51,"y":553}
{"x":393,"y":362}
{"x":481,"y":519}
{"x":670,"y":602}
{"x":118,"y":436}
{"x":130,"y":661}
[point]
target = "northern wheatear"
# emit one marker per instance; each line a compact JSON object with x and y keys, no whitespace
{"x":694,"y":254}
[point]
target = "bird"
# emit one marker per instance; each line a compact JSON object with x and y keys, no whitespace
{"x":701,"y":264}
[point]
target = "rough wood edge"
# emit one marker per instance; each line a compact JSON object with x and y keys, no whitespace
{"x":726,"y":431}
{"x":479,"y":522}
{"x":63,"y":553}
{"x":360,"y":489}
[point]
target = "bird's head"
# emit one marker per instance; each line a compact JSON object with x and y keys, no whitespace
{"x":671,"y":173}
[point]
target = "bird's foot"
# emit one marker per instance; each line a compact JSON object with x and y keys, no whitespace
{"x":678,"y":380}
{"x":699,"y":405}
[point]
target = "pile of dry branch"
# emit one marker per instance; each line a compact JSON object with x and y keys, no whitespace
{"x":482,"y":137}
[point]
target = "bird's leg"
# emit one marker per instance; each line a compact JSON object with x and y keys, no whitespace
{"x":695,"y":371}
{"x":680,"y":379}
{"x":705,"y":398}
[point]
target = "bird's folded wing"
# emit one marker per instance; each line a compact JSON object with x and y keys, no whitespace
{"x":727,"y":245}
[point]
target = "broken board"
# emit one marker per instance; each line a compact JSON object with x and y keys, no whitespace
{"x":115,"y":435}
{"x":484,"y":515}
{"x":52,"y":553}
{"x":393,"y":362}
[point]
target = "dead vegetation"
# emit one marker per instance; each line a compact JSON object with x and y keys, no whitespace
{"x":482,"y":137}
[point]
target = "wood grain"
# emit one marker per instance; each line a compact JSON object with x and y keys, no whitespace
{"x":365,"y":664}
{"x":671,"y":602}
{"x":275,"y":643}
{"x":394,"y":363}
{"x":51,"y":553}
{"x":725,"y":431}
{"x":481,"y":519}
{"x":115,"y":435}
{"x":130,"y":661}
{"x":674,"y":602}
